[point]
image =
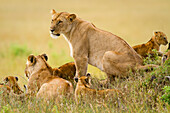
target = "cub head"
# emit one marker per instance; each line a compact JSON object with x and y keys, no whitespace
{"x":161,"y":38}
{"x":35,"y":63}
{"x":11,"y":81}
{"x":83,"y":80}
{"x":61,"y":23}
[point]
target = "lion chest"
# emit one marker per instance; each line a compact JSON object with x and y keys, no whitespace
{"x":70,"y":46}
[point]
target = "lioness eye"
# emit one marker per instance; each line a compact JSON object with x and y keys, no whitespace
{"x":59,"y":22}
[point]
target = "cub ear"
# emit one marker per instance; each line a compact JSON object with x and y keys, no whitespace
{"x":45,"y":56}
{"x":155,"y":33}
{"x":32,"y":59}
{"x":76,"y":79}
{"x":88,"y":75}
{"x":71,"y":17}
{"x":53,"y":11}
{"x":6,"y":79}
{"x":16,"y":78}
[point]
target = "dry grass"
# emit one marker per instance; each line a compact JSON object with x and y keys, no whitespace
{"x":26,"y":24}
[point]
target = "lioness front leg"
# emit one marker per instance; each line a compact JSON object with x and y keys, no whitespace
{"x":81,"y":65}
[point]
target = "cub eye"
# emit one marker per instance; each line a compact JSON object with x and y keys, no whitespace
{"x":59,"y":22}
{"x":164,"y":38}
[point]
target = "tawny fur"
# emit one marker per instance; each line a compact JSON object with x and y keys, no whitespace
{"x":91,"y":45}
{"x":10,"y":84}
{"x":158,"y":39}
{"x":66,"y":71}
{"x":83,"y":92}
{"x":41,"y":81}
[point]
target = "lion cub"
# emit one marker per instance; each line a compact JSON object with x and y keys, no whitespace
{"x":10,"y":84}
{"x":66,"y":71}
{"x":41,"y":81}
{"x":84,"y":92}
{"x":159,"y":38}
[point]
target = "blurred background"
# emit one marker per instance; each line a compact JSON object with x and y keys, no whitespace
{"x":24,"y":28}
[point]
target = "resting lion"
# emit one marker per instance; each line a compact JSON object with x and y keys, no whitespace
{"x":83,"y":92}
{"x":41,"y":81}
{"x":158,"y":39}
{"x":10,"y":84}
{"x":97,"y":47}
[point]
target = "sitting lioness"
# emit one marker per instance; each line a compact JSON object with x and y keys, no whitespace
{"x":84,"y":92}
{"x":158,"y":39}
{"x":41,"y":81}
{"x":10,"y":84}
{"x":97,"y":47}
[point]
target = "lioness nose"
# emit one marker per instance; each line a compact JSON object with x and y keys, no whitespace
{"x":52,"y":30}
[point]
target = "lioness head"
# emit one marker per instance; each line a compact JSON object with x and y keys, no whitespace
{"x":35,"y":63}
{"x":61,"y":23}
{"x":11,"y":81}
{"x":161,"y":38}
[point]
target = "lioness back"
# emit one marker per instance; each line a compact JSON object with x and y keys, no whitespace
{"x":159,"y":38}
{"x":55,"y":88}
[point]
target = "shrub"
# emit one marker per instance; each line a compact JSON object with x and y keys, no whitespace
{"x":166,"y":97}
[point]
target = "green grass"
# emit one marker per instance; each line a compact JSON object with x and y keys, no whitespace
{"x":24,"y":29}
{"x":141,"y":93}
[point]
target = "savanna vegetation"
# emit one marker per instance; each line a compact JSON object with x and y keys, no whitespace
{"x":24,"y":30}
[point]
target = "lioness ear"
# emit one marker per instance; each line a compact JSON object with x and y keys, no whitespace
{"x":16,"y":78}
{"x":71,"y":17}
{"x":32,"y":59}
{"x":45,"y":56}
{"x":53,"y":11}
